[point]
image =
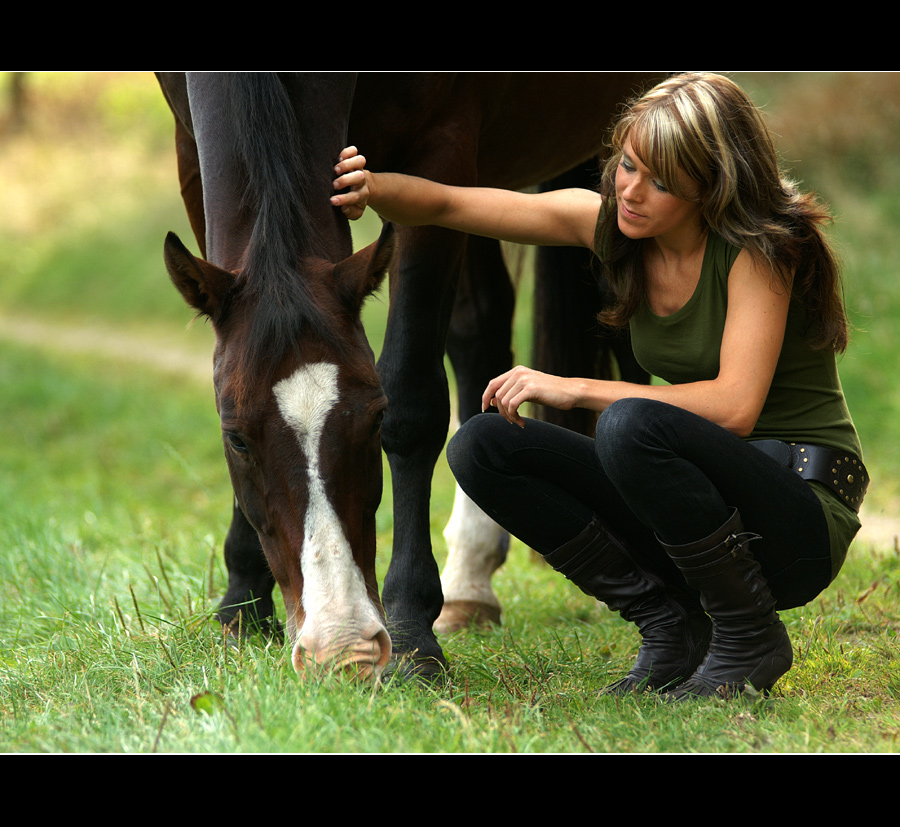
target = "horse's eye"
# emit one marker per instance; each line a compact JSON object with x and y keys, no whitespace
{"x":376,"y":422}
{"x":237,"y":444}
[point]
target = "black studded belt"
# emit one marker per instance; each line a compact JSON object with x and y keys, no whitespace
{"x":842,"y":472}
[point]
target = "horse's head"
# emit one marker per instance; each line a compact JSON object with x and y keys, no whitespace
{"x":301,"y":406}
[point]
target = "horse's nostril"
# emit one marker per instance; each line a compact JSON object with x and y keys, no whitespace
{"x":364,"y":659}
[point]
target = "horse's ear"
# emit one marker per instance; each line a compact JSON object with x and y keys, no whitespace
{"x":203,"y":285}
{"x":361,"y":274}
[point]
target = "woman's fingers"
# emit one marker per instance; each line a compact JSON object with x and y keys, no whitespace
{"x":349,"y":161}
{"x":503,"y":393}
{"x":508,"y":392}
{"x":488,"y":397}
{"x":350,"y":180}
{"x":351,"y":176}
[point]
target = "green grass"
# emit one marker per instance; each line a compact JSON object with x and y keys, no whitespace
{"x":111,"y":567}
{"x":115,"y":502}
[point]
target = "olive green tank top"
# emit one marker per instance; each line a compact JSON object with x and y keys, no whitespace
{"x":805,"y":402}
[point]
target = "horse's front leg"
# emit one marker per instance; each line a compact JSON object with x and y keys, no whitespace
{"x":247,"y":604}
{"x":479,"y":348}
{"x":411,"y":367}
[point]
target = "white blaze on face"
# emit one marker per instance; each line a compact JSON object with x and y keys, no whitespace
{"x":338,"y":611}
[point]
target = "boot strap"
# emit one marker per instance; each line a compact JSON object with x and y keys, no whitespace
{"x":842,"y":472}
{"x":583,"y":557}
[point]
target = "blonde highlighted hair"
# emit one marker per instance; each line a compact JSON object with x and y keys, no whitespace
{"x":705,"y":125}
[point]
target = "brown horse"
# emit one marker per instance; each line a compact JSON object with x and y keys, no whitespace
{"x":304,"y":411}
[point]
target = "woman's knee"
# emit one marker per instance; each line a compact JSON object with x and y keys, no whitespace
{"x":471,"y":443}
{"x":626,"y":418}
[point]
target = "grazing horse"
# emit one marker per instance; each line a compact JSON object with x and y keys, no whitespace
{"x":304,"y":409}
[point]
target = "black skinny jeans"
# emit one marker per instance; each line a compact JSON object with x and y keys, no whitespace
{"x":653,"y":470}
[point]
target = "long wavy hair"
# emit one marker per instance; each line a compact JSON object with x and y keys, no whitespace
{"x":705,"y":125}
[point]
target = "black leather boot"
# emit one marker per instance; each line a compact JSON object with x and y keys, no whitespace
{"x":674,"y":629}
{"x":750,"y":645}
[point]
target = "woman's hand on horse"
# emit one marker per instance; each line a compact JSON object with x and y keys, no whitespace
{"x":509,"y":391}
{"x":351,"y":174}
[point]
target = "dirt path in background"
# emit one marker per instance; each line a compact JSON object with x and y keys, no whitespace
{"x":880,"y":529}
{"x":140,"y":349}
{"x":880,"y":532}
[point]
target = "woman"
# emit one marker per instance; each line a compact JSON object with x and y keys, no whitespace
{"x":704,"y":505}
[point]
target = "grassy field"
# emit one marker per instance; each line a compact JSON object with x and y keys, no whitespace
{"x":115,"y":497}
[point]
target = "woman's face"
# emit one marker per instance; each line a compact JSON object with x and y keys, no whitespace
{"x":645,"y":208}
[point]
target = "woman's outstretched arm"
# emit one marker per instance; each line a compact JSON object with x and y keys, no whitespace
{"x":559,"y":218}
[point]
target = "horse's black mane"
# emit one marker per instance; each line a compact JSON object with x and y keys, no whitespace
{"x":278,"y":187}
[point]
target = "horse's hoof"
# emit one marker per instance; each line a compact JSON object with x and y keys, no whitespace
{"x":430,"y":671}
{"x":466,"y":614}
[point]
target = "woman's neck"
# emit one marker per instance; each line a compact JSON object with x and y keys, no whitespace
{"x":682,"y":244}
{"x":672,"y":269}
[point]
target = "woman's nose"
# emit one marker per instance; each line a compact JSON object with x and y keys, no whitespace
{"x":633,"y":190}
